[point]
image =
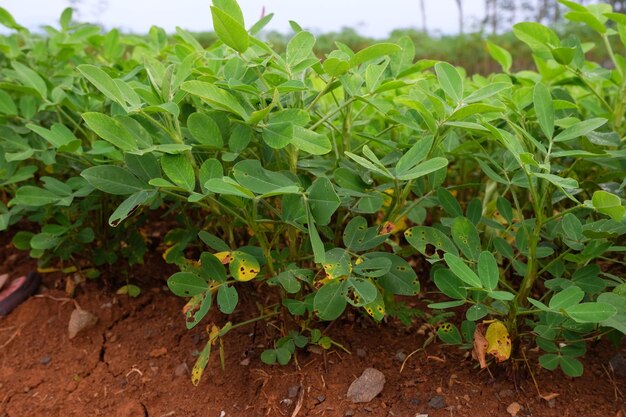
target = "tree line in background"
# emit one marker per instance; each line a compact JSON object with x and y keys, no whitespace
{"x":500,"y":15}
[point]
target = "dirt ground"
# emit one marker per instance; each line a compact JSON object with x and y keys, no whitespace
{"x":136,"y":361}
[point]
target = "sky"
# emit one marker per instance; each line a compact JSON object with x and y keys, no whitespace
{"x":368,"y":17}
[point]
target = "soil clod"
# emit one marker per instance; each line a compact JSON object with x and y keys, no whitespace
{"x":437,"y":402}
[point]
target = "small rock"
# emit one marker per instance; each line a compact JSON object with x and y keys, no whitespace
{"x":421,"y":415}
{"x":361,"y":353}
{"x":415,"y":401}
{"x":315,"y":349}
{"x":348,"y":413}
{"x":45,"y":360}
{"x":505,"y":393}
{"x":293,"y":391}
{"x":437,"y":402}
{"x":80,"y":320}
{"x":618,"y":365}
{"x":320,"y":399}
{"x":439,"y":390}
{"x":245,"y":362}
{"x":552,"y":403}
{"x":400,"y":356}
{"x":366,"y":387}
{"x":286,"y":402}
{"x":513,"y":409}
{"x":157,"y":353}
{"x":181,"y":370}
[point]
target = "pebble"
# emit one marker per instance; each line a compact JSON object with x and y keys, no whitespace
{"x":415,"y":401}
{"x":421,"y":415}
{"x":437,"y":402}
{"x":400,"y":356}
{"x":552,"y":403}
{"x":361,"y":353}
{"x":293,"y":391}
{"x":320,"y":399}
{"x":513,"y":409}
{"x":349,"y":413}
{"x":45,"y":360}
{"x":286,"y":402}
{"x":245,"y":362}
{"x":157,"y":353}
{"x":181,"y":370}
{"x":366,"y":387}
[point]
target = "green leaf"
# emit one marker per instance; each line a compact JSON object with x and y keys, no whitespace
{"x":401,"y":278}
{"x":373,"y":52}
{"x":243,"y":266}
{"x":330,"y":300}
{"x":131,"y":290}
{"x":588,"y":19}
{"x":227,"y":299}
{"x":29,"y":195}
{"x":103,"y":82}
{"x":449,"y":333}
{"x":591,"y":312}
{"x":44,"y":241}
{"x":450,"y":284}
{"x":186,"y":284}
{"x":144,"y":166}
{"x":278,"y":135}
{"x":113,"y":180}
{"x":364,"y":290}
{"x":317,"y":245}
{"x":608,"y":204}
{"x":448,"y":202}
{"x":544,"y":109}
{"x":580,"y":129}
{"x":461,"y":270}
{"x":299,"y":48}
{"x":229,"y":30}
{"x":469,"y":110}
{"x":253,"y":176}
{"x":311,"y":142}
{"x":450,"y":81}
{"x":179,"y":169}
{"x":421,"y":236}
{"x":487,"y":91}
{"x":373,"y":268}
{"x":323,"y":200}
{"x":111,"y":130}
{"x":488,"y":270}
{"x":358,"y":237}
{"x":465,"y":236}
{"x":566,"y":183}
{"x":571,"y":366}
{"x":7,"y":106}
{"x":204,"y":129}
{"x":566,"y":298}
{"x":227,"y":186}
{"x":197,"y":307}
{"x":231,"y":8}
{"x":30,"y":78}
{"x":476,"y":312}
{"x":550,"y":361}
{"x":424,"y":168}
{"x":215,"y":96}
{"x":500,"y":55}
{"x":128,"y":206}
{"x":414,"y":155}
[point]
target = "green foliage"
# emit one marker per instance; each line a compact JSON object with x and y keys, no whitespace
{"x":323,"y":181}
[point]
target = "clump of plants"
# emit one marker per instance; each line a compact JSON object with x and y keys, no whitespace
{"x":326,"y":181}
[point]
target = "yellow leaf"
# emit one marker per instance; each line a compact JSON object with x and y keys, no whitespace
{"x":198,"y":368}
{"x":499,"y":341}
{"x":243,"y":267}
{"x":224,"y":257}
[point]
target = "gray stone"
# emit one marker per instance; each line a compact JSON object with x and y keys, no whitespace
{"x":361,"y":353}
{"x":437,"y":402}
{"x":181,"y":370}
{"x":45,"y":360}
{"x":366,"y":387}
{"x":320,"y":399}
{"x":293,"y":391}
{"x":400,"y":356}
{"x":349,"y":413}
{"x":618,"y":365}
